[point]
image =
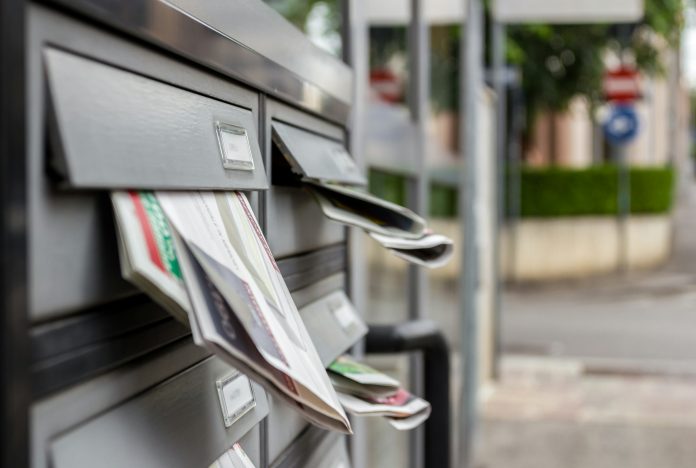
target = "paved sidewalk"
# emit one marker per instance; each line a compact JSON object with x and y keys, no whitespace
{"x":552,"y":413}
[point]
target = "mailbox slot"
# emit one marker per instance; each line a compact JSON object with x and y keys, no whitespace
{"x":109,"y":113}
{"x":179,"y":423}
{"x":115,"y":129}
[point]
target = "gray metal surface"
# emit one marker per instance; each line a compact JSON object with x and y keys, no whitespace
{"x":315,"y":449}
{"x":14,"y":295}
{"x":177,"y":424}
{"x":294,"y":221}
{"x":67,"y":409}
{"x":284,"y":423}
{"x":331,"y":334}
{"x":243,"y":39}
{"x":116,"y":129}
{"x":498,"y":38}
{"x":471,"y":50}
{"x":284,"y":426}
{"x":73,"y":262}
{"x":418,"y":190}
{"x":315,"y":156}
{"x":305,"y":296}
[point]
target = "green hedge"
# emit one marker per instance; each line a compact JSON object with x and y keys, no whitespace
{"x":553,"y":192}
{"x":593,"y":191}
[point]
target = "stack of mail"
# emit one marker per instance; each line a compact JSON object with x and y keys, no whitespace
{"x":397,"y":228}
{"x":364,"y":391}
{"x":240,"y":308}
{"x":146,"y":249}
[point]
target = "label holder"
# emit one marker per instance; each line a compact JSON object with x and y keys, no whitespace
{"x":235,"y":149}
{"x":239,"y":382}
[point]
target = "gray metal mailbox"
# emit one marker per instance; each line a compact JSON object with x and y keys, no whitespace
{"x":130,"y":95}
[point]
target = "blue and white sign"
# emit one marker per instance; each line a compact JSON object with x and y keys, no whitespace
{"x":622,"y":125}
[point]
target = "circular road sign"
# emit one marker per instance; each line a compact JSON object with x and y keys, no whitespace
{"x":622,"y":125}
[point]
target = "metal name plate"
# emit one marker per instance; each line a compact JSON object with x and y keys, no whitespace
{"x":234,"y":147}
{"x":342,"y":312}
{"x":236,"y":397}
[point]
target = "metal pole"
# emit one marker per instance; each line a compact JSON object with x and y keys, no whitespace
{"x":355,"y":35}
{"x":515,"y":176}
{"x":419,"y":105}
{"x":498,"y":34}
{"x":15,"y":389}
{"x":623,"y":203}
{"x":470,"y":81}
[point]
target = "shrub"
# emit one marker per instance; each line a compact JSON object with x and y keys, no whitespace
{"x":554,"y":192}
{"x":593,"y":191}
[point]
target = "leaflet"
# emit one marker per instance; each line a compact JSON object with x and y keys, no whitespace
{"x":431,"y":250}
{"x":350,"y":376}
{"x":241,"y":307}
{"x":403,"y":410}
{"x":353,"y":207}
{"x":147,"y":253}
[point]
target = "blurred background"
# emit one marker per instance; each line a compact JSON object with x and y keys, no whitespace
{"x":585,"y":212}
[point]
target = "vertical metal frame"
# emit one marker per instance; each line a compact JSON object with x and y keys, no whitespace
{"x":355,"y":36}
{"x":470,"y":81}
{"x":261,"y":131}
{"x":417,"y":196}
{"x":498,"y":37}
{"x":14,"y":339}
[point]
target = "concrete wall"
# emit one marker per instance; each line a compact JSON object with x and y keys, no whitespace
{"x":555,"y":249}
{"x":565,"y":248}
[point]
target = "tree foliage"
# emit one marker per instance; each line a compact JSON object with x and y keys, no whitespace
{"x":561,"y":62}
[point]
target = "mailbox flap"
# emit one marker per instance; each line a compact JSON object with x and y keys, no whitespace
{"x":187,"y":421}
{"x":111,"y":128}
{"x":333,"y":324}
{"x":316,"y":157}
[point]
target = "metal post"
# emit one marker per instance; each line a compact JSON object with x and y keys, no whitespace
{"x":419,"y":105}
{"x":471,"y":80}
{"x":623,"y":203}
{"x":514,"y":205}
{"x":15,"y":388}
{"x":498,"y":34}
{"x":355,"y":36}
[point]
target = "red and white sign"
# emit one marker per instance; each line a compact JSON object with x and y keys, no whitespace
{"x":386,"y":84}
{"x":622,"y":85}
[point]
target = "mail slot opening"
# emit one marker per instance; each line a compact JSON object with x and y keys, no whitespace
{"x":112,"y":128}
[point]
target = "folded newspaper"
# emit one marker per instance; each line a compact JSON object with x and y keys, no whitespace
{"x":238,"y":304}
{"x":235,"y":457}
{"x":431,"y":250}
{"x":397,"y":228}
{"x":356,"y":378}
{"x":403,"y":410}
{"x":229,"y":261}
{"x":356,"y":208}
{"x":146,"y":250}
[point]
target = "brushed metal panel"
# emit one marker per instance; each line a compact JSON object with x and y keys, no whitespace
{"x":116,"y":129}
{"x":315,"y":156}
{"x":330,"y":336}
{"x":294,"y":221}
{"x":177,"y":424}
{"x":283,"y":63}
{"x":296,"y":224}
{"x":248,"y":22}
{"x":64,"y":410}
{"x":73,"y":261}
{"x":284,"y":426}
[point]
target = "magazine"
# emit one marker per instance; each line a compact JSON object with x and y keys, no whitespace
{"x":241,"y":308}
